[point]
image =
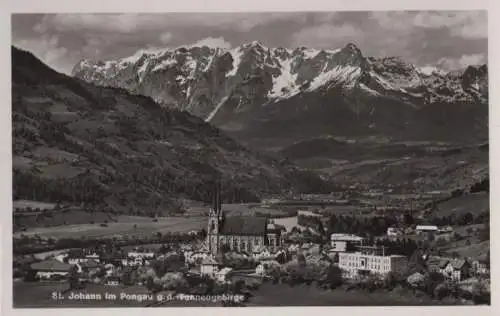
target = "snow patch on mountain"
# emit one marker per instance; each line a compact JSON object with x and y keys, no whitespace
{"x":284,"y":85}
{"x":142,"y":70}
{"x":367,"y":89}
{"x":216,"y":109}
{"x":270,"y":75}
{"x":431,"y":70}
{"x":236,"y":54}
{"x":339,"y":74}
{"x":384,"y":83}
{"x":167,"y":63}
{"x":310,"y":53}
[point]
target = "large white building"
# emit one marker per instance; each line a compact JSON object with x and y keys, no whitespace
{"x":364,"y":262}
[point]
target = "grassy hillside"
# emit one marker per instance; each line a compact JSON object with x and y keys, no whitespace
{"x":77,"y":143}
{"x":423,"y":166}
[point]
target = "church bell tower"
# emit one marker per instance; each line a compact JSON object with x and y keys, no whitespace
{"x":214,"y":220}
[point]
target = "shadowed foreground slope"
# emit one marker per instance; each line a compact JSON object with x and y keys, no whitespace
{"x":79,"y":143}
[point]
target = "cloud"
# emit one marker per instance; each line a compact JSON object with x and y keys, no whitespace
{"x":46,"y":48}
{"x":166,"y":37}
{"x":462,"y":62}
{"x":212,"y":42}
{"x":327,"y":36}
{"x":423,"y":38}
{"x":128,"y":23}
{"x":469,"y":24}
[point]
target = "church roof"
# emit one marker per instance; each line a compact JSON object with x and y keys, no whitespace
{"x":244,"y":226}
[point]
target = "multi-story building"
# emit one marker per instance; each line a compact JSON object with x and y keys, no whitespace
{"x":345,"y":242}
{"x":370,"y":261}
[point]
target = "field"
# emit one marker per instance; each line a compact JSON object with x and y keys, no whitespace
{"x":473,"y":203}
{"x":246,"y":209}
{"x":24,"y":204}
{"x":303,"y":295}
{"x":124,"y":226}
{"x":287,"y":222}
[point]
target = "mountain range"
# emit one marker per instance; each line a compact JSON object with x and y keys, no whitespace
{"x":78,"y":143}
{"x":258,"y":93}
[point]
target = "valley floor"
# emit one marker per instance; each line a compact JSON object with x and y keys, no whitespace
{"x":132,"y":225}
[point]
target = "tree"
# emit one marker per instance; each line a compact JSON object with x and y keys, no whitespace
{"x":432,"y":281}
{"x":127,"y":278}
{"x":390,"y":280}
{"x":238,"y":286}
{"x":73,"y":278}
{"x":281,"y":257}
{"x":150,"y":284}
{"x":487,"y":260}
{"x":333,"y":276}
{"x":416,"y":263}
{"x":480,"y":293}
{"x":224,"y":248}
{"x":442,"y":290}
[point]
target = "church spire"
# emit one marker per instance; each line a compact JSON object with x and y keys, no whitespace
{"x":217,"y":198}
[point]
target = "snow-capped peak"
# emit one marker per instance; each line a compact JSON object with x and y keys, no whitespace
{"x":430,"y":70}
{"x":203,"y":81}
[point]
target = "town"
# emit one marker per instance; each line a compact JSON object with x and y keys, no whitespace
{"x":244,"y":255}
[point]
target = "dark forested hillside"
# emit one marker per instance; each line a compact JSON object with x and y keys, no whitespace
{"x":79,"y":143}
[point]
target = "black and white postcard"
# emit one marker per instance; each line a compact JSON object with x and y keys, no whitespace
{"x":248,"y":159}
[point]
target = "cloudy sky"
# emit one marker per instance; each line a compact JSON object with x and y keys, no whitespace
{"x":450,"y":40}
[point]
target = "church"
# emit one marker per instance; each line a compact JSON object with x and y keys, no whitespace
{"x":239,"y":233}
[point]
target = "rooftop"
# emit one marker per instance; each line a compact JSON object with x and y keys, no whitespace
{"x":51,"y":265}
{"x":209,"y":261}
{"x":346,"y":237}
{"x":427,"y":227}
{"x":244,"y":226}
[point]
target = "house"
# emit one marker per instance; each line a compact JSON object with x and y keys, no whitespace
{"x":110,"y":269}
{"x":61,"y":257}
{"x":209,"y":266}
{"x":446,"y":236}
{"x":455,"y":269}
{"x":141,"y":253}
{"x":113,"y":280}
{"x":195,"y":257}
{"x":345,"y":242}
{"x":238,"y":233}
{"x":93,"y":256}
{"x":223,"y":275}
{"x":370,"y":261}
{"x":261,"y":252}
{"x":434,"y":263}
{"x":426,"y":229}
{"x":447,"y":229}
{"x":393,"y":231}
{"x":51,"y":268}
{"x":88,"y":267}
{"x":479,"y":268}
{"x":76,"y":256}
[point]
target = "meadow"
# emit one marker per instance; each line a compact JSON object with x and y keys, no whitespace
{"x":126,"y":225}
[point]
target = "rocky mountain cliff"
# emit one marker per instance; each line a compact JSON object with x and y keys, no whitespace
{"x":254,"y":91}
{"x":75,"y":142}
